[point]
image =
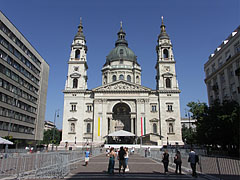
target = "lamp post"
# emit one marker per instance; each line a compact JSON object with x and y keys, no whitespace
{"x":56,"y":113}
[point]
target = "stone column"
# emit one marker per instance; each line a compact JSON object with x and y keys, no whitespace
{"x":132,"y":128}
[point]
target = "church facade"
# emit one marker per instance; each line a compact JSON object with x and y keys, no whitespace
{"x":121,"y":102}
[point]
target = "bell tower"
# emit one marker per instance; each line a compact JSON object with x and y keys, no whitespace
{"x":168,"y":91}
{"x":77,"y":64}
{"x":166,"y":74}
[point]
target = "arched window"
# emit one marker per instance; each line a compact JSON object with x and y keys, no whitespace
{"x":75,"y":83}
{"x":154,"y":128}
{"x":121,"y":77}
{"x":137,"y":79}
{"x":129,"y":78}
{"x":121,"y":51}
{"x":168,"y":83}
{"x":88,"y":127}
{"x":165,"y":53}
{"x":114,"y":78}
{"x":170,"y":128}
{"x":77,"y":54}
{"x":72,"y":129}
{"x":105,"y":80}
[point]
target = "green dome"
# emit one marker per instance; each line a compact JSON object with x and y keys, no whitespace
{"x":121,"y":52}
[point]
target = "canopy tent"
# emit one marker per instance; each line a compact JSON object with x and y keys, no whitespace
{"x":4,"y":141}
{"x":121,"y":133}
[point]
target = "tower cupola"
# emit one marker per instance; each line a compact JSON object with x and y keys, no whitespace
{"x":80,"y":34}
{"x":163,"y":34}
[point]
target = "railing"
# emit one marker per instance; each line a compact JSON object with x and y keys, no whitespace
{"x":220,"y":167}
{"x":41,"y":165}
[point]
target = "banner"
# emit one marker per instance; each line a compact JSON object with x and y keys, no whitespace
{"x":143,"y":126}
{"x":99,"y":126}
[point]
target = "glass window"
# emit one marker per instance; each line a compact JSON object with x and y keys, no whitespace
{"x":114,"y":78}
{"x":88,"y":127}
{"x":154,"y":128}
{"x":121,"y":77}
{"x":129,"y":78}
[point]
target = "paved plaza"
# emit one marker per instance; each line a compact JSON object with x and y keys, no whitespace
{"x":140,"y":168}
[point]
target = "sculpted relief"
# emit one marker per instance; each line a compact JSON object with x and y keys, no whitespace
{"x":122,"y":87}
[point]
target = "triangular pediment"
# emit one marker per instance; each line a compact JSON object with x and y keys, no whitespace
{"x":75,"y":75}
{"x":168,"y":74}
{"x":121,"y":85}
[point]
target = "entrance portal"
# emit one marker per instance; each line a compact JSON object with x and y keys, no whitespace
{"x":122,"y":117}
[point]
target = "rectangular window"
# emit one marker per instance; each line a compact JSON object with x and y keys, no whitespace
{"x":169,"y":107}
{"x":154,"y":108}
{"x":89,"y":108}
{"x":74,"y":107}
{"x":220,"y":62}
{"x":227,"y":55}
{"x":213,"y":68}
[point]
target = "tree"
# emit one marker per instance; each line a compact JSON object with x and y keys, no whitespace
{"x":188,"y":135}
{"x":217,"y":125}
{"x":48,"y":136}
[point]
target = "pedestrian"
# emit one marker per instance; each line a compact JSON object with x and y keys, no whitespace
{"x":111,"y":163}
{"x":87,"y":154}
{"x":165,"y":160}
{"x":193,"y":160}
{"x":178,"y":162}
{"x":121,"y":155}
{"x":126,"y":157}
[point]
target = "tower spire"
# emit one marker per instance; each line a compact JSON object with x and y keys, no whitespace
{"x":163,"y":34}
{"x":121,"y":36}
{"x":80,"y":30}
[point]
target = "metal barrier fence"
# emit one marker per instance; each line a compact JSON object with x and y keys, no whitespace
{"x":220,"y":167}
{"x":41,"y":165}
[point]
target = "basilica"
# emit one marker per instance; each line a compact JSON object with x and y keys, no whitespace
{"x":121,"y":103}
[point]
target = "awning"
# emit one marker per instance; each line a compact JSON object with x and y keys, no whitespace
{"x":121,"y":133}
{"x":4,"y":141}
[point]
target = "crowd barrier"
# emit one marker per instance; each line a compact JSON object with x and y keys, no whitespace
{"x":41,"y":165}
{"x":220,"y":167}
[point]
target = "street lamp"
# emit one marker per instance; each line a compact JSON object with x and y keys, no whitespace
{"x":56,"y":113}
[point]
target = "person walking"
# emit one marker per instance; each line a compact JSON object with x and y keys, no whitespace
{"x":87,"y":154}
{"x":121,"y":155}
{"x":178,"y":162}
{"x":111,"y":163}
{"x":165,"y":160}
{"x":193,"y":160}
{"x":126,"y":157}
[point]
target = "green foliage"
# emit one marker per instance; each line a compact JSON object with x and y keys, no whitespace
{"x":217,"y":124}
{"x":188,"y":135}
{"x":48,"y":136}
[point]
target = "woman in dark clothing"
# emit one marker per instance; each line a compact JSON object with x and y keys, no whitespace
{"x":165,"y":160}
{"x":178,"y":162}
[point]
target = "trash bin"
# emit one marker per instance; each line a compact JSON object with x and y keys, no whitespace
{"x":70,"y":148}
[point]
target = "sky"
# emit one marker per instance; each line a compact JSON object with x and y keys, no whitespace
{"x":196,"y":28}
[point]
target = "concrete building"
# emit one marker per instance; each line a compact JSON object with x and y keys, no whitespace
{"x":48,"y":125}
{"x":222,"y":70}
{"x":23,"y":85}
{"x":121,"y":102}
{"x":188,"y":122}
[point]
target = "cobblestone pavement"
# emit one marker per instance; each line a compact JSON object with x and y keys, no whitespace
{"x":140,"y":168}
